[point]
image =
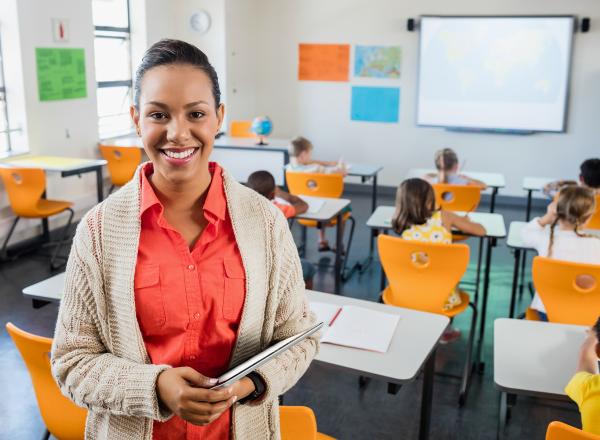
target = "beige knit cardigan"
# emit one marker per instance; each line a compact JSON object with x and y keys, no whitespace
{"x":98,"y":356}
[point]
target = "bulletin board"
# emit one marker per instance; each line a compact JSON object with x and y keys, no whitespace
{"x":60,"y":73}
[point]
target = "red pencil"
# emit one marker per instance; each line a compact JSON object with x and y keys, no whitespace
{"x":335,"y":316}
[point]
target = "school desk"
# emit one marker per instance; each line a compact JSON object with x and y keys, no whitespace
{"x":531,"y":184}
{"x":495,"y":181}
{"x":46,"y":291}
{"x":495,"y":229}
{"x":411,"y":350}
{"x":533,"y":358}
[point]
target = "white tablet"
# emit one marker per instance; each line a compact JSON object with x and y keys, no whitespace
{"x":261,"y":358}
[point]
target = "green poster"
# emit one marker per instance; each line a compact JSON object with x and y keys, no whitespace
{"x":60,"y":73}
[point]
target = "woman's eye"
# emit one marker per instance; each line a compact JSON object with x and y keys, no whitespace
{"x":196,"y":115}
{"x":158,"y":116}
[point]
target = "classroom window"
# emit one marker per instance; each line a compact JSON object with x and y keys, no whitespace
{"x":112,"y":46}
{"x":4,"y":127}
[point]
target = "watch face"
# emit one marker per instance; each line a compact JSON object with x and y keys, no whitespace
{"x":200,"y":21}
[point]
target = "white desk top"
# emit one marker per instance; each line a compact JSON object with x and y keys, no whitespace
{"x":536,"y":183}
{"x":51,"y":163}
{"x":128,"y":141}
{"x":492,"y":222}
{"x":493,"y":180}
{"x":416,"y":336}
{"x":50,"y":289}
{"x":272,"y":143}
{"x":514,"y":236}
{"x":533,"y":357}
{"x":330,"y":209}
{"x":363,"y":169}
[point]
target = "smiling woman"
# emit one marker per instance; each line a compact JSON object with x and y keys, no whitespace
{"x":176,"y":277}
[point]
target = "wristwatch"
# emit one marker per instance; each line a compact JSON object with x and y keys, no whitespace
{"x":259,"y":388}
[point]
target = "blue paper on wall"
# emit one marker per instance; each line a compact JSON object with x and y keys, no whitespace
{"x":375,"y":104}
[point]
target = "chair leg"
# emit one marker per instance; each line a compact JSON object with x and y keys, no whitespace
{"x":4,"y":252}
{"x":46,"y":435}
{"x":350,"y":236}
{"x":112,"y":187}
{"x":62,"y":240}
{"x":303,"y":246}
{"x":468,"y":368}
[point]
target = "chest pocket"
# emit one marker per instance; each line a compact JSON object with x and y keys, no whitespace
{"x":235,"y":288}
{"x":149,"y":302}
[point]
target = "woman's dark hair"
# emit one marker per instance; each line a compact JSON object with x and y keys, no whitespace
{"x":415,"y":204}
{"x":167,"y":52}
{"x":597,"y":329}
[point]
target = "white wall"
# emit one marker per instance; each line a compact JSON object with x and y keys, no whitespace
{"x":262,"y":53}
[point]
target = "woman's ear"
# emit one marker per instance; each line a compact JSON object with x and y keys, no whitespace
{"x":220,"y":116}
{"x":598,"y":350}
{"x":135,"y":117}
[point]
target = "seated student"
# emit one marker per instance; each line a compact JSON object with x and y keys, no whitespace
{"x":416,"y":218}
{"x":263,"y":183}
{"x":557,"y":235}
{"x":446,"y":163}
{"x":584,"y":387}
{"x":589,"y":176}
{"x":301,"y":161}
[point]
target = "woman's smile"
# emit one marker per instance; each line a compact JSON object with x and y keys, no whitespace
{"x":178,"y":156}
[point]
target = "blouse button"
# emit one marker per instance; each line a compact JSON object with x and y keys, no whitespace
{"x":197,"y":316}
{"x":191,"y":267}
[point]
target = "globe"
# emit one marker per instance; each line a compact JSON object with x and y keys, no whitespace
{"x":262,"y":127}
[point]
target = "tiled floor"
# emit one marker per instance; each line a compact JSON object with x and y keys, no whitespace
{"x":341,"y":409}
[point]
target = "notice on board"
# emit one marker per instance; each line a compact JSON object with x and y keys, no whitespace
{"x":375,"y":104}
{"x":60,"y":73}
{"x":323,"y":62}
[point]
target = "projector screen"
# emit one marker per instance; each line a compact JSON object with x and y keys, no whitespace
{"x":497,"y":73}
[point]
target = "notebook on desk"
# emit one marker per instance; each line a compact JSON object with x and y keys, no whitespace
{"x":314,"y":204}
{"x":356,"y":327}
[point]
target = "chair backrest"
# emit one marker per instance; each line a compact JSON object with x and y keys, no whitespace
{"x":421,"y":275}
{"x":297,"y":423}
{"x":122,"y":162}
{"x":566,"y":302}
{"x":315,"y":184}
{"x":562,"y":431}
{"x":25,"y":187}
{"x":241,"y":129}
{"x":62,"y":418}
{"x":594,"y":222}
{"x":457,"y":197}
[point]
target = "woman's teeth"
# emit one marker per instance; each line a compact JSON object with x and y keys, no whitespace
{"x":179,"y":154}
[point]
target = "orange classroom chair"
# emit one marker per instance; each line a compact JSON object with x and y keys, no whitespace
{"x":63,"y":419}
{"x":565,"y":301}
{"x":421,"y":276}
{"x":25,"y":188}
{"x":299,"y":423}
{"x":562,"y":431}
{"x":122,"y":163}
{"x":241,"y":129}
{"x":457,"y":197}
{"x":320,"y":185}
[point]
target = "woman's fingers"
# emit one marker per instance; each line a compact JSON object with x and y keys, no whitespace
{"x":202,"y":413}
{"x":211,"y":396}
{"x":196,"y":379}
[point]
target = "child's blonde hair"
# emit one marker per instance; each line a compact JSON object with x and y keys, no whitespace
{"x":445,"y":159}
{"x":300,"y":145}
{"x":575,"y":205}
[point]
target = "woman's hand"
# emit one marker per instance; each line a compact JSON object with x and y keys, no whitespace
{"x":185,"y":392}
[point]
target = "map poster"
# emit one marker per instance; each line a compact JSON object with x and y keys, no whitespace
{"x":377,"y":61}
{"x":323,"y":62}
{"x":375,"y":104}
{"x":60,"y":73}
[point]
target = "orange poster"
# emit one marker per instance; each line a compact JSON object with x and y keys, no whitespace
{"x":323,"y":62}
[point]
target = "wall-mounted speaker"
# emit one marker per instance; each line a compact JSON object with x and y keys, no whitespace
{"x":585,"y":24}
{"x":411,"y":24}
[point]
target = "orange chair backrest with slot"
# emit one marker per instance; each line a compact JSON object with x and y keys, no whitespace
{"x":315,"y":184}
{"x":25,"y":187}
{"x":241,"y":129}
{"x":421,"y":275}
{"x":63,"y":419}
{"x":457,"y":197}
{"x":562,"y":431}
{"x":299,"y":423}
{"x":594,"y":222}
{"x":570,"y":291}
{"x":122,"y":162}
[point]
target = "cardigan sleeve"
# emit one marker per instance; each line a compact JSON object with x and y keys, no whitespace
{"x":292,"y":316}
{"x":86,"y":372}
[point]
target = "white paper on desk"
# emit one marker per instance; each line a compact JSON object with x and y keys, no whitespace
{"x":314,"y":205}
{"x":324,"y":311}
{"x":363,"y":328}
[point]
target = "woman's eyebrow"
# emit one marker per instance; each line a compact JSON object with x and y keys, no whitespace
{"x":158,"y":104}
{"x":192,"y":104}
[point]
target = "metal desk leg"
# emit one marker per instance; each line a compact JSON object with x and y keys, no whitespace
{"x":502,"y":416}
{"x":522,"y":274}
{"x":491,"y":242}
{"x":382,"y":280}
{"x":373,"y":207}
{"x":339,"y":244}
{"x":478,"y":274}
{"x":513,"y":295}
{"x":528,"y":212}
{"x":493,"y":201}
{"x":427,"y":398}
{"x":99,"y":184}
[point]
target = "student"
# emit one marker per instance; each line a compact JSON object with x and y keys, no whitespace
{"x":589,"y":176}
{"x":416,"y":218}
{"x":263,"y":183}
{"x":557,"y":234}
{"x":302,"y":161}
{"x":584,"y":387}
{"x":180,"y":274}
{"x":446,"y":163}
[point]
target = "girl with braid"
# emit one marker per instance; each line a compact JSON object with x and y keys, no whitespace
{"x":446,"y":163}
{"x":558,"y":234}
